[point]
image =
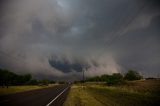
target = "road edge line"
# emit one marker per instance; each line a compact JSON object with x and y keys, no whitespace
{"x":57,"y":96}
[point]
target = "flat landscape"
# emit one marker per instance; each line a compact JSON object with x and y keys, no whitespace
{"x":133,"y":93}
{"x":79,"y":52}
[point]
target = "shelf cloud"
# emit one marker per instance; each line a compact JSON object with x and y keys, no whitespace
{"x":60,"y":38}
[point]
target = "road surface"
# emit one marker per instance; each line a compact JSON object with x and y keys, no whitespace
{"x":52,"y":96}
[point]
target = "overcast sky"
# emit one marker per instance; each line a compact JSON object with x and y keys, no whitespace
{"x":60,"y":38}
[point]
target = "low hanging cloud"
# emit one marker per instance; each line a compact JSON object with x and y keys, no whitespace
{"x":60,"y":38}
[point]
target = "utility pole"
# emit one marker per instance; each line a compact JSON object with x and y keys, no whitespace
{"x":83,"y":75}
{"x":83,"y":78}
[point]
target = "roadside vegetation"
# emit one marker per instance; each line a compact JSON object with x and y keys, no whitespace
{"x":20,"y":88}
{"x":115,"y":90}
{"x":79,"y":96}
{"x":133,"y":93}
{"x":116,"y":78}
{"x":8,"y":78}
{"x":11,"y":82}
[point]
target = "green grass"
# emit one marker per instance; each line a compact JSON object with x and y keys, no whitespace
{"x":15,"y":89}
{"x":117,"y":97}
{"x":135,"y":93}
{"x":78,"y":96}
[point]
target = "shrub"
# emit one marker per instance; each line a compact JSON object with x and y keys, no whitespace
{"x":115,"y":79}
{"x":132,"y":75}
{"x":33,"y":82}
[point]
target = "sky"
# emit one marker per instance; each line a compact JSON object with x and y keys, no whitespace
{"x":59,"y":39}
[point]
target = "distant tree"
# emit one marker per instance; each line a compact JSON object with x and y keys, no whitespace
{"x":132,"y":75}
{"x":27,"y":77}
{"x":44,"y":82}
{"x":52,"y":82}
{"x":104,"y":78}
{"x":97,"y":78}
{"x":115,"y":79}
{"x":8,"y":78}
{"x":33,"y":82}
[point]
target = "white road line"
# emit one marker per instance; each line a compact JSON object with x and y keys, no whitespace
{"x":57,"y":97}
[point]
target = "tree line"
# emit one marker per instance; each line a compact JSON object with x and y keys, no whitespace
{"x":8,"y":78}
{"x":116,"y":78}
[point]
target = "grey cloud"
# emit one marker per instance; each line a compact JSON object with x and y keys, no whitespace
{"x":36,"y":32}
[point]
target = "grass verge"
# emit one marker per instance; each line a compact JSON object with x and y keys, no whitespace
{"x":135,"y":93}
{"x":79,"y":96}
{"x":15,"y":89}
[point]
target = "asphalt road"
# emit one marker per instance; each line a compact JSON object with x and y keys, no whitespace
{"x":53,"y":96}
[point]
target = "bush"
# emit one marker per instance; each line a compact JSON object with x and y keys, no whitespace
{"x":115,"y":79}
{"x":33,"y":82}
{"x":132,"y":75}
{"x":44,"y":82}
{"x":9,"y":78}
{"x":52,"y":82}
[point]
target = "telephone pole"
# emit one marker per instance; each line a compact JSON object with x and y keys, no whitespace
{"x":83,"y":78}
{"x":83,"y":75}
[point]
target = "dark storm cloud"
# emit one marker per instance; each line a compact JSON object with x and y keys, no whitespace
{"x":62,"y":37}
{"x":66,"y":66}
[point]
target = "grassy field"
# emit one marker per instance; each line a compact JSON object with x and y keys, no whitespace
{"x":135,"y":93}
{"x":14,"y":89}
{"x":78,"y":96}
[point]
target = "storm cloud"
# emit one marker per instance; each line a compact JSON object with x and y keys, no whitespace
{"x":60,"y":38}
